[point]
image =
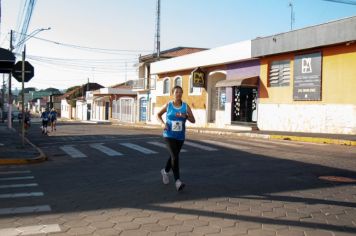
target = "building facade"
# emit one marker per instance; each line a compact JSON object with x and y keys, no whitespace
{"x":228,"y":95}
{"x":308,"y":79}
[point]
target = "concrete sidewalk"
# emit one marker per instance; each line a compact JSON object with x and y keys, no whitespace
{"x":12,"y":152}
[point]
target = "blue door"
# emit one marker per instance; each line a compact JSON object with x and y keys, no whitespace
{"x":143,"y":109}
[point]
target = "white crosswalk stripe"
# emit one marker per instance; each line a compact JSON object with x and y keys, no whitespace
{"x":17,"y":178}
{"x":73,"y":152}
{"x":23,"y":210}
{"x":226,"y":145}
{"x":162,"y":145}
{"x":138,"y":148}
{"x":18,"y":195}
{"x":15,"y":172}
{"x":106,"y":150}
{"x":200,"y":146}
{"x":18,"y":185}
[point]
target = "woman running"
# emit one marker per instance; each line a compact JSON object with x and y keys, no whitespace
{"x":178,"y":112}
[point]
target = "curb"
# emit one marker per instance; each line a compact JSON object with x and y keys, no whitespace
{"x":281,"y":137}
{"x":21,"y":161}
{"x":314,"y":140}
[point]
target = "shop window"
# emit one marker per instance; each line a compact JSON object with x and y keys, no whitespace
{"x":279,"y":73}
{"x":178,"y":81}
{"x":221,"y":98}
{"x":193,"y":90}
{"x":166,"y":86}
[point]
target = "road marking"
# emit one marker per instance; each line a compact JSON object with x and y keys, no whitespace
{"x":18,"y":195}
{"x":226,"y":145}
{"x":197,"y":145}
{"x":138,"y":148}
{"x":73,"y":152}
{"x":22,"y":210}
{"x":44,"y":143}
{"x":159,"y":144}
{"x":17,"y":178}
{"x":18,"y":185}
{"x":15,"y":172}
{"x":30,"y":230}
{"x":106,"y":150}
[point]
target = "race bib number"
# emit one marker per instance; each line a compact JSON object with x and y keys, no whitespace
{"x":45,"y":119}
{"x":177,"y":126}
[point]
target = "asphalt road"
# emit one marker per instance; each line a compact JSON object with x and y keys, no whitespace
{"x":105,"y":180}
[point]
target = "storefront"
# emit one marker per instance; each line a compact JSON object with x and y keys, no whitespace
{"x":309,"y":85}
{"x":227,"y":96}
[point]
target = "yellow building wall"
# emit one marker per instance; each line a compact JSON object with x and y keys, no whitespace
{"x":338,"y":77}
{"x":194,"y":101}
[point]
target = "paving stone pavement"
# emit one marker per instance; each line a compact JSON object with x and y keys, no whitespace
{"x":230,"y":192}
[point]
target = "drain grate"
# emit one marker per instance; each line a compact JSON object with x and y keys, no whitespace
{"x":339,"y":179}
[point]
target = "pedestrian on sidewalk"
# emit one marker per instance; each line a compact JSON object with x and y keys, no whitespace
{"x":53,"y":119}
{"x":178,"y":112}
{"x":45,"y":119}
{"x":27,"y":120}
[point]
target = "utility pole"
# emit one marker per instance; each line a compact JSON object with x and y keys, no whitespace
{"x":3,"y":97}
{"x":158,"y":29}
{"x":9,"y":110}
{"x":88,"y":85}
{"x":23,"y":95}
{"x":291,"y":14}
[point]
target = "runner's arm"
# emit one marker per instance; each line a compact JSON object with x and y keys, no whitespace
{"x":190,"y":115}
{"x":160,"y":113}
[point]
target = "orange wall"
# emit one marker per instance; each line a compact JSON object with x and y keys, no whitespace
{"x":338,"y":77}
{"x":194,"y":101}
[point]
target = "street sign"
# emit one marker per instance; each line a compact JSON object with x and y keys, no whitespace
{"x":17,"y":71}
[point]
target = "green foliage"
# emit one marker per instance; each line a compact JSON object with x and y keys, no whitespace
{"x":73,"y":102}
{"x":72,"y":88}
{"x":27,"y":90}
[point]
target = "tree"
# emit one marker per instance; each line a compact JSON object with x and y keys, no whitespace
{"x":72,"y":88}
{"x":53,"y":90}
{"x":29,"y":89}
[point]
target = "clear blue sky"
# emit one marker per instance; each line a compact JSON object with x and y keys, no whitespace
{"x":130,"y":24}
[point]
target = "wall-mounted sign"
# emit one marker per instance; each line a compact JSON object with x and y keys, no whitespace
{"x":198,"y":77}
{"x":307,"y":77}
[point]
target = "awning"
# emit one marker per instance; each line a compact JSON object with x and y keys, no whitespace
{"x":7,"y":60}
{"x":244,"y":81}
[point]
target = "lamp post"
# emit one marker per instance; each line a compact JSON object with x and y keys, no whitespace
{"x":23,"y":77}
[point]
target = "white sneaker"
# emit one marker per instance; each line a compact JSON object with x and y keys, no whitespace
{"x":165,"y":177}
{"x":179,"y":185}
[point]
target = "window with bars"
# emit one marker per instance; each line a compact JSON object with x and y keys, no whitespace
{"x":279,"y":73}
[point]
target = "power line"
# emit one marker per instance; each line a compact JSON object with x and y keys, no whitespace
{"x":25,"y":22}
{"x":342,"y":1}
{"x":101,"y":50}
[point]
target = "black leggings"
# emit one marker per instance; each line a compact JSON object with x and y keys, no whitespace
{"x":174,"y":146}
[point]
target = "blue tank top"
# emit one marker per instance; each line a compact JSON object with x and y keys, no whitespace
{"x":176,"y":125}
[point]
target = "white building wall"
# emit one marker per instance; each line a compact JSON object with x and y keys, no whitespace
{"x":338,"y":119}
{"x":65,"y":109}
{"x":81,"y":108}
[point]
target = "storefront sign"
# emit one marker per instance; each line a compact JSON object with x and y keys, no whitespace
{"x":198,"y":77}
{"x":307,"y":77}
